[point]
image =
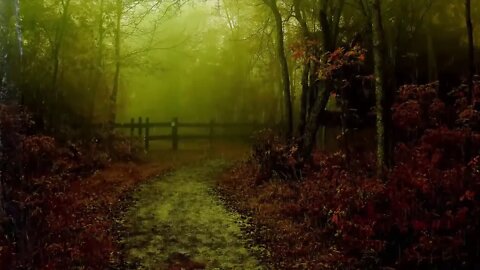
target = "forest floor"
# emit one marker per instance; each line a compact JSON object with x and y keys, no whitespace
{"x":85,"y":221}
{"x":179,"y":222}
{"x":90,"y":235}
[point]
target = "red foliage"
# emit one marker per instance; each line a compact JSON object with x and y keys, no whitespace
{"x":274,"y":158}
{"x":425,"y":216}
{"x":45,"y":225}
{"x":38,"y":153}
{"x":339,"y":60}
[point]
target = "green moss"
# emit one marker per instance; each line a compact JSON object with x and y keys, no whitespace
{"x":180,"y":214}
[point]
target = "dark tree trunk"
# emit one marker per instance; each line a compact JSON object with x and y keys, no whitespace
{"x":322,"y":95}
{"x":313,"y":123}
{"x":382,"y":97}
{"x":57,"y":46}
{"x":116,"y":77}
{"x":471,"y":73}
{"x":313,"y":82}
{"x":432,"y":61}
{"x":54,"y":115}
{"x":471,"y":49}
{"x":284,"y":68}
{"x":6,"y":56}
{"x":98,"y":70}
{"x":304,"y":99}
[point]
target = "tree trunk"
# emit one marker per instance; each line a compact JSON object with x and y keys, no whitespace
{"x":98,"y":70}
{"x":432,"y":61}
{"x":381,"y":107}
{"x":116,"y":78}
{"x":313,"y":82}
{"x":471,"y":49}
{"x":471,"y":73}
{"x":19,"y":37}
{"x":304,"y":99}
{"x":6,"y":13}
{"x":284,"y":68}
{"x":59,"y":34}
{"x":54,"y":115}
{"x":313,"y":123}
{"x":321,"y":96}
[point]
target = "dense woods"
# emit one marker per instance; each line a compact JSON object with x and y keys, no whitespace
{"x":372,"y":161}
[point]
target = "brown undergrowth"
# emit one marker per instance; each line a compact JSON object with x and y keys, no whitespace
{"x":58,"y":195}
{"x":273,"y":206}
{"x":84,"y":220}
{"x":337,"y":215}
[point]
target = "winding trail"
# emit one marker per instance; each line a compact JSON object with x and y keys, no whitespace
{"x":178,"y":222}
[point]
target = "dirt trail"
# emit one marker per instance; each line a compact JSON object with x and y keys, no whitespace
{"x":178,"y":221}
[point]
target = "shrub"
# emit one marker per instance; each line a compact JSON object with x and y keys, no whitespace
{"x":425,"y":216}
{"x":274,"y":157}
{"x":39,"y":227}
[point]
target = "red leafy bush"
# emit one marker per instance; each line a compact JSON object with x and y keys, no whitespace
{"x":274,"y":157}
{"x":408,"y":116}
{"x":38,"y":153}
{"x":422,"y":214}
{"x":43,"y":223}
{"x":424,"y":94}
{"x":339,"y":60}
{"x":417,"y":108}
{"x":425,"y":216}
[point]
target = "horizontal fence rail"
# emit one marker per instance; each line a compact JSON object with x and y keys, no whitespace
{"x":143,"y":128}
{"x":206,"y":131}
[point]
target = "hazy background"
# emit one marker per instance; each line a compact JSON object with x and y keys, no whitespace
{"x":199,"y":60}
{"x":204,"y":62}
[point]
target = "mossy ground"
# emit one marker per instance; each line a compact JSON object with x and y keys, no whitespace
{"x":180,"y":214}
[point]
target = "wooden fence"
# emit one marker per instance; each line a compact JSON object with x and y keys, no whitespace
{"x":205,"y":131}
{"x":143,"y":128}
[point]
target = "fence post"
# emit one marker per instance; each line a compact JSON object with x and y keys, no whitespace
{"x":324,"y":138}
{"x":175,"y":133}
{"x":132,"y":127}
{"x":132,"y":130}
{"x":212,"y":134}
{"x":147,"y":134}
{"x":140,"y":131}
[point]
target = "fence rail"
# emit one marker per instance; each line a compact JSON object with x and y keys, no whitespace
{"x":143,"y":128}
{"x":205,"y":131}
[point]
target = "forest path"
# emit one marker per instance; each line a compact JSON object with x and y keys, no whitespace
{"x":178,"y":222}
